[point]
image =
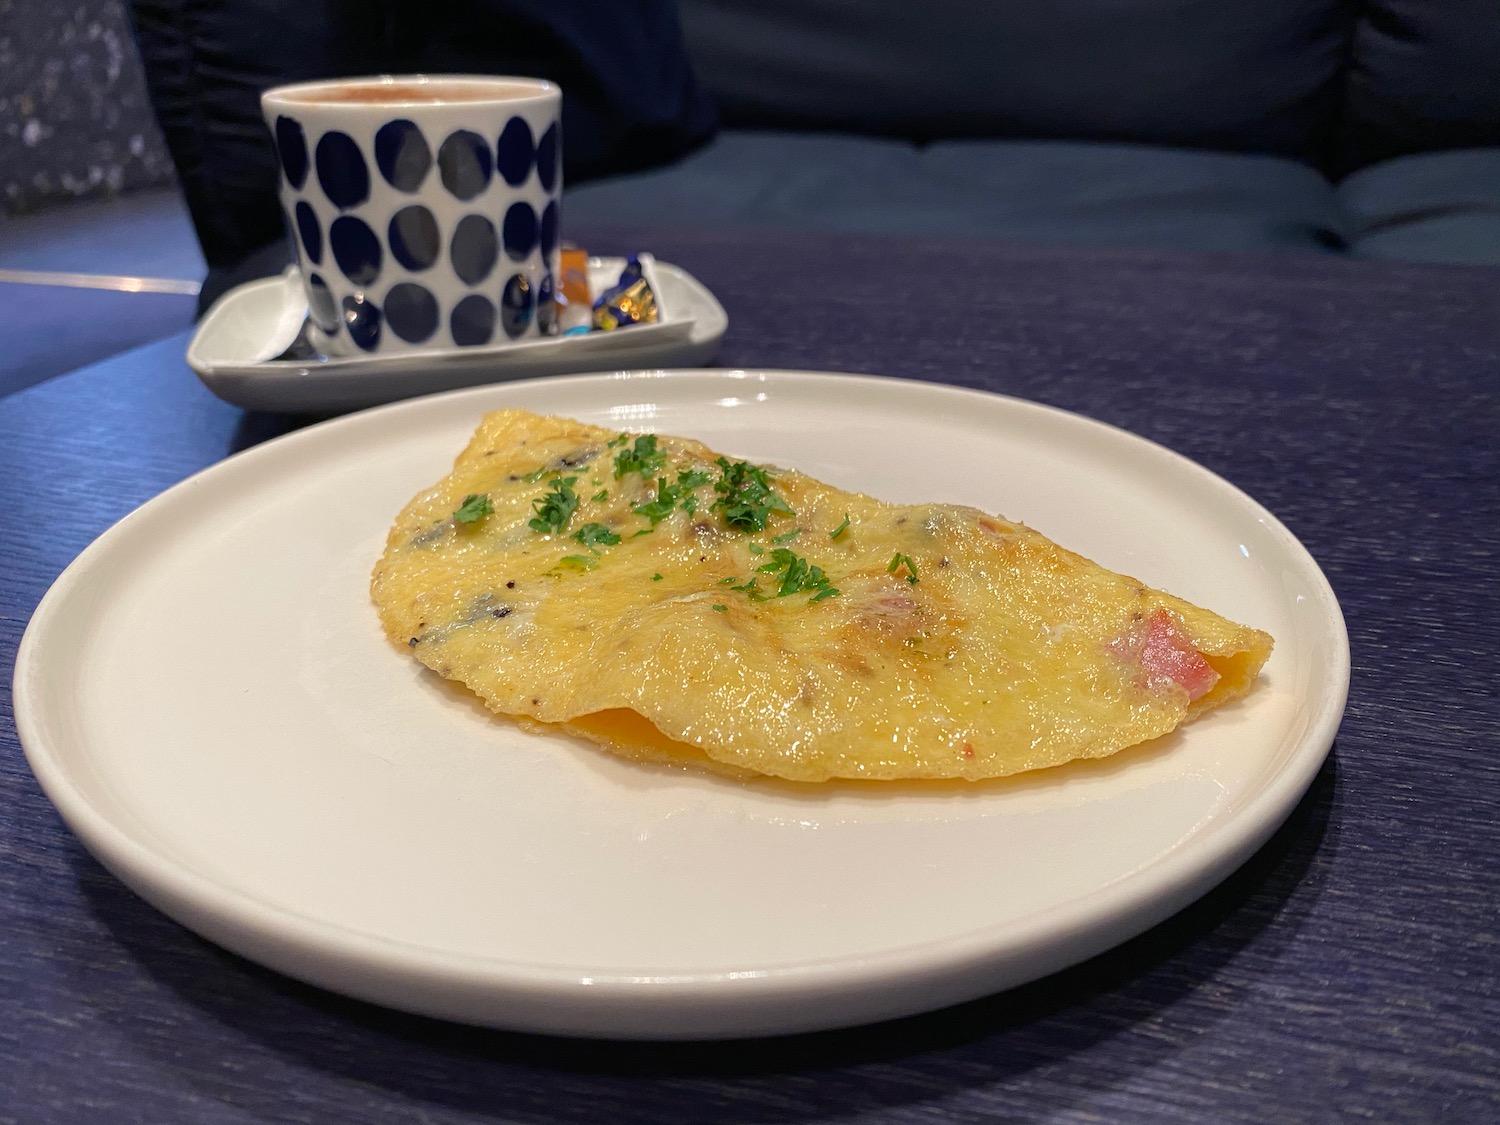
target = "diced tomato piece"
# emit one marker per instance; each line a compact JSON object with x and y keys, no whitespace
{"x":1168,"y":654}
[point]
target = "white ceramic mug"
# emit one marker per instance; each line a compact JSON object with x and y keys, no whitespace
{"x":424,"y":208}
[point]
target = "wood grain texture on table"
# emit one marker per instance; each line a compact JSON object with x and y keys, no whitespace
{"x":1347,"y":973}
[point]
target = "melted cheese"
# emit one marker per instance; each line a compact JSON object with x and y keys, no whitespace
{"x":1008,"y":653}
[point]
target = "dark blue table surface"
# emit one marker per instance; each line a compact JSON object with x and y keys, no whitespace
{"x":1347,"y":973}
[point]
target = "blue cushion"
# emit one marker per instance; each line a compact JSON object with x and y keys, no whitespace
{"x":1424,"y":75}
{"x":1245,"y":75}
{"x":1024,"y":191}
{"x":1434,"y":207}
{"x":143,"y":234}
{"x":50,"y":329}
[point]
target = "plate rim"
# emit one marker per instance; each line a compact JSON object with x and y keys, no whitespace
{"x":855,"y":988}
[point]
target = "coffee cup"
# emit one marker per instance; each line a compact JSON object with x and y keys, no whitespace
{"x":424,"y":208}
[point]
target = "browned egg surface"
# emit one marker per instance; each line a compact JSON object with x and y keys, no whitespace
{"x":674,"y":605}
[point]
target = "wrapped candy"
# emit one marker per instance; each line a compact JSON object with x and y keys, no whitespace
{"x":575,"y":302}
{"x":628,"y":301}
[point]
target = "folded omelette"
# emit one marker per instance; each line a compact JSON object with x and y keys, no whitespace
{"x":671,"y":603}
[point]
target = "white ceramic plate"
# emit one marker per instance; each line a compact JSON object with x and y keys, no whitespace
{"x":233,"y":350}
{"x":206,"y":696}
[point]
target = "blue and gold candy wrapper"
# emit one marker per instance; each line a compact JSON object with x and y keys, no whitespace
{"x":628,"y":301}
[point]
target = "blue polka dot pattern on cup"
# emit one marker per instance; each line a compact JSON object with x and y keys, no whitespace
{"x":341,"y":170}
{"x":362,"y":318}
{"x":520,"y":230}
{"x":310,"y":232}
{"x":464,"y":163}
{"x":548,"y":233}
{"x":514,"y":152}
{"x":356,"y":249}
{"x":546,"y":158}
{"x":474,"y":249}
{"x":422,"y":226}
{"x":321,"y":305}
{"x":473,"y":322}
{"x":516,"y":306}
{"x":411,"y":312}
{"x":291,"y":147}
{"x":415,"y":241}
{"x":402,"y":155}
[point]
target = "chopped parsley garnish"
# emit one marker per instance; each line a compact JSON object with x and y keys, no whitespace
{"x":720,"y":608}
{"x":596,"y":535}
{"x":556,"y":508}
{"x":643,"y":457}
{"x":578,"y":562}
{"x":475,"y":507}
{"x":656,"y":578}
{"x":660,"y":508}
{"x":670,"y":496}
{"x":602,"y":494}
{"x":798,"y":576}
{"x":536,"y":474}
{"x":843,"y":527}
{"x":617,"y":441}
{"x":745,"y":496}
{"x":789,"y":536}
{"x":756,"y":549}
{"x":898,"y":560}
{"x":750,"y":590}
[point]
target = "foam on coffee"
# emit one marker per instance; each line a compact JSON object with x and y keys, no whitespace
{"x":435,"y":92}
